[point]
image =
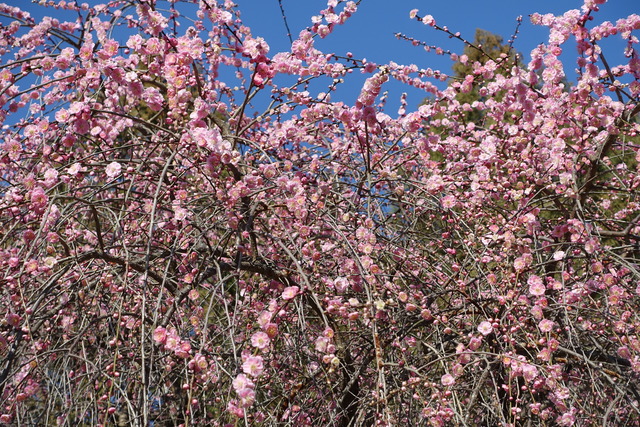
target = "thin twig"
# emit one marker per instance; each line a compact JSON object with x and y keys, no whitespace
{"x":286,"y":24}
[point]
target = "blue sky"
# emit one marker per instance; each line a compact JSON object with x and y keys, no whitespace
{"x":370,"y":32}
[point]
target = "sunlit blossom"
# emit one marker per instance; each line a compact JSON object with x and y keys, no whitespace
{"x":260,"y":340}
{"x":241,"y":382}
{"x":296,"y":228}
{"x":536,"y":286}
{"x":290,"y":292}
{"x":447,"y":380}
{"x":485,"y":328}
{"x":546,"y":325}
{"x":253,"y":366}
{"x":160,"y":335}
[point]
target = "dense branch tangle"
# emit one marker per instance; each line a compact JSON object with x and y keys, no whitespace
{"x":184,"y":245}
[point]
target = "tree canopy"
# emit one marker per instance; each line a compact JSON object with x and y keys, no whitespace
{"x":174,"y":250}
{"x":486,"y":48}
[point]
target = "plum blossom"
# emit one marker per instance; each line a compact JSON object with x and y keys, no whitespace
{"x":271,"y":329}
{"x":321,"y":344}
{"x":180,"y":213}
{"x":253,"y":366}
{"x":447,"y":380}
{"x":233,"y":409}
{"x":529,"y":372}
{"x":290,"y":292}
{"x":113,"y":169}
{"x":474,"y":343}
{"x":198,"y":363}
{"x":260,"y":340}
{"x":546,"y":325}
{"x":566,"y":419}
{"x":241,"y":382}
{"x":341,"y":284}
{"x":183,"y":350}
{"x":75,"y":169}
{"x":255,"y":47}
{"x":522,"y":262}
{"x":448,"y":201}
{"x":485,"y":328}
{"x":50,"y":177}
{"x":153,"y":98}
{"x":160,"y":335}
{"x":38,"y":197}
{"x":12,"y":147}
{"x":428,"y":20}
{"x":536,"y":286}
{"x":371,"y":88}
{"x":172,"y":341}
{"x":247,"y":397}
{"x":244,"y":388}
{"x":13,"y":319}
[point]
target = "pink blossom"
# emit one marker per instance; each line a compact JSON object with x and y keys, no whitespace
{"x":546,"y":325}
{"x":38,"y":197}
{"x":255,"y":47}
{"x":529,"y":372}
{"x":180,"y":214}
{"x":247,"y":397}
{"x":536,"y":286}
{"x":566,"y":419}
{"x":241,"y":382}
{"x":289,"y":292}
{"x":183,"y":350}
{"x":341,"y":284}
{"x":234,"y":409}
{"x":271,"y":329}
{"x":50,"y":177}
{"x":172,"y":341}
{"x":253,"y":366}
{"x":321,"y":344}
{"x":447,"y":380}
{"x":522,"y":262}
{"x":475,"y":343}
{"x":13,"y":319}
{"x":198,"y":363}
{"x":448,"y":201}
{"x":153,"y":98}
{"x":428,"y":20}
{"x":260,"y":340}
{"x":31,"y":266}
{"x":12,"y":147}
{"x":74,"y":169}
{"x":113,"y":169}
{"x":537,"y":312}
{"x":485,"y":328}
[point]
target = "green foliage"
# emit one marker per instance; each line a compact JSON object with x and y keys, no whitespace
{"x":486,"y":47}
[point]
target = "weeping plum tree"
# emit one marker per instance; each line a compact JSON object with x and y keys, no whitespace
{"x":195,"y":232}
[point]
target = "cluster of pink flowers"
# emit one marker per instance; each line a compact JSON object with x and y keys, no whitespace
{"x":371,"y":88}
{"x":171,"y":341}
{"x":312,"y":260}
{"x":244,"y":389}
